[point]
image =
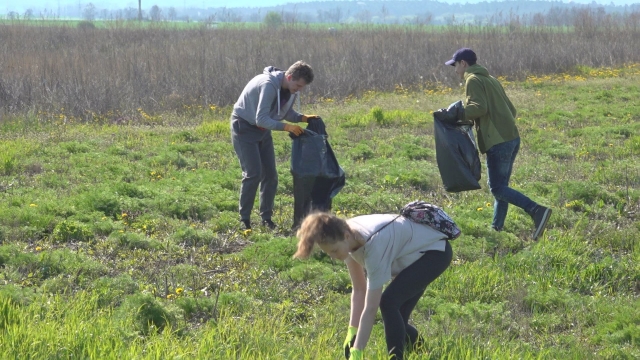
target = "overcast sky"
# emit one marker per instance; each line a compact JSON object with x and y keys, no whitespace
{"x":21,"y":5}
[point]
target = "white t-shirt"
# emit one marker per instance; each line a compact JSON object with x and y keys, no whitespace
{"x":393,"y":248}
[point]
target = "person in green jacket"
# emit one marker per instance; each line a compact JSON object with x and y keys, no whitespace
{"x":494,"y":115}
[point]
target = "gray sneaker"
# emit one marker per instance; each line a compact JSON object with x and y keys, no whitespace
{"x":540,"y":217}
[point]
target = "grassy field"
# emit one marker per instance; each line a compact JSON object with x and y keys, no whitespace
{"x":121,"y":240}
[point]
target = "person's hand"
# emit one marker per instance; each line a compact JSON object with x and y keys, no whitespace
{"x":305,"y":118}
{"x":350,"y":340}
{"x":294,"y":129}
{"x":356,"y":354}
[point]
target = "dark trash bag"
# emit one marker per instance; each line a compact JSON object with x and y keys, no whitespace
{"x":317,"y":176}
{"x":457,"y":156}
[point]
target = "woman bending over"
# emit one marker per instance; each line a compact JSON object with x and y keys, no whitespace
{"x":377,"y":248}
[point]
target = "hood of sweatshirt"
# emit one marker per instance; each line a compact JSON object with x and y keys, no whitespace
{"x":476,"y":70}
{"x":276,"y":76}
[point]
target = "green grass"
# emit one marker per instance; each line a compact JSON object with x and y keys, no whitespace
{"x":123,"y":241}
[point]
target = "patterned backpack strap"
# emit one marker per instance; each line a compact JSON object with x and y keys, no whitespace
{"x":385,"y":225}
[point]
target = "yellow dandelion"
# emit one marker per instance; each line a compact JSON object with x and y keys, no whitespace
{"x":124,"y":215}
{"x":179,"y":291}
{"x":33,"y":205}
{"x":246,"y":232}
{"x":38,"y":248}
{"x":170,"y":296}
{"x":479,"y":209}
{"x":488,"y":204}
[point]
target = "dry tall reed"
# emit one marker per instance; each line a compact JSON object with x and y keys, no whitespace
{"x":84,"y":71}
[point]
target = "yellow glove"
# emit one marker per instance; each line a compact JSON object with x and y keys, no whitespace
{"x":348,"y":342}
{"x":294,"y":129}
{"x":356,"y":354}
{"x":305,"y":118}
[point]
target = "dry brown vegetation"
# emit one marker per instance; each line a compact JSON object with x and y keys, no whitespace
{"x":116,"y":70}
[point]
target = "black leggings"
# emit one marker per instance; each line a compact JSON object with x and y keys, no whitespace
{"x":402,"y":295}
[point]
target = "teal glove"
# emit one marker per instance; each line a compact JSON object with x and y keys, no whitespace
{"x":356,"y":354}
{"x":350,"y":340}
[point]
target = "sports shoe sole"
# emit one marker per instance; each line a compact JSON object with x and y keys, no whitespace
{"x":543,"y":224}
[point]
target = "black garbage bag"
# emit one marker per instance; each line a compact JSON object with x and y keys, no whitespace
{"x":457,"y":155}
{"x":317,"y":176}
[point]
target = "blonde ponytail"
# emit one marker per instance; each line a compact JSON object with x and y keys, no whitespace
{"x":321,"y":228}
{"x":305,"y":246}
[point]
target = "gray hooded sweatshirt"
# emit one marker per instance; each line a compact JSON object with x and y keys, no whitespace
{"x":263,"y":103}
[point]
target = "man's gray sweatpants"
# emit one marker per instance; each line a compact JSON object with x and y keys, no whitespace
{"x":254,"y":148}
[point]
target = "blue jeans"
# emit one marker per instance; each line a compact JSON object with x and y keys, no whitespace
{"x":500,"y":160}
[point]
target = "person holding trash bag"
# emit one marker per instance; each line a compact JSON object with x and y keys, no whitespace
{"x":266,"y":100}
{"x":489,"y":107}
{"x":377,"y":248}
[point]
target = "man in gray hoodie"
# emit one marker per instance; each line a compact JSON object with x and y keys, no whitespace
{"x":265,"y":101}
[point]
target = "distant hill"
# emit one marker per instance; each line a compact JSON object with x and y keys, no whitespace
{"x":363,"y":11}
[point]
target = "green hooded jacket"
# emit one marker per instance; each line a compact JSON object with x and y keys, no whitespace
{"x":489,"y":107}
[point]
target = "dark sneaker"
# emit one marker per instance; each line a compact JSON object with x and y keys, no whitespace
{"x":540,"y":217}
{"x":246,"y":223}
{"x":268,"y":223}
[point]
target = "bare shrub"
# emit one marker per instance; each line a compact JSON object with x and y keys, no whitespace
{"x":124,"y":67}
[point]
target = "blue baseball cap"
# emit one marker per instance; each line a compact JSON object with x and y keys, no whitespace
{"x":462,"y":54}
